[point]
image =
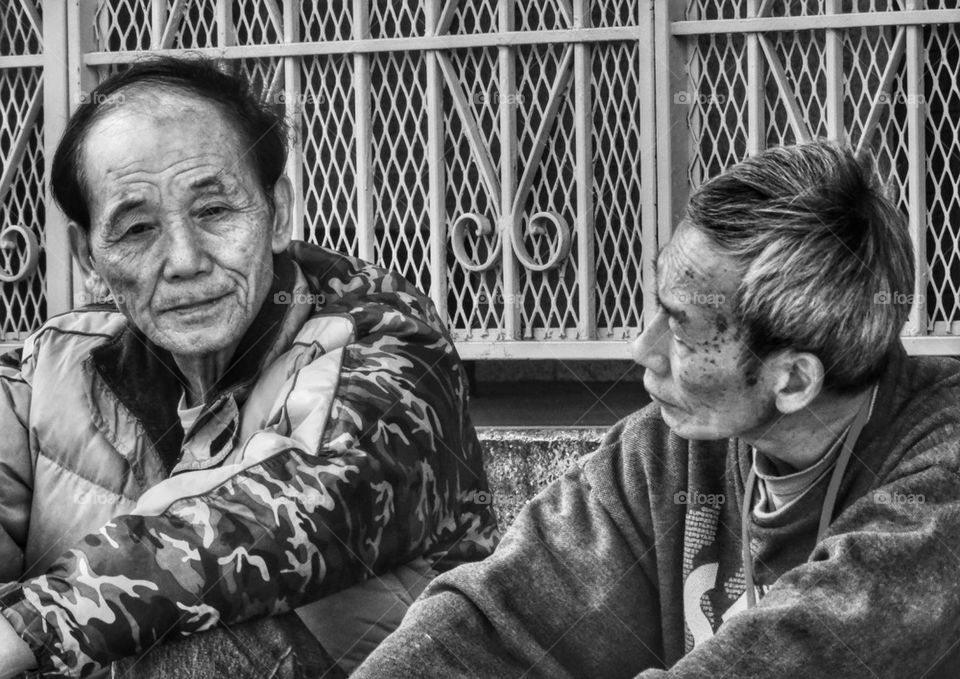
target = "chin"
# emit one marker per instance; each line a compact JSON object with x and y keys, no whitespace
{"x":197,"y":343}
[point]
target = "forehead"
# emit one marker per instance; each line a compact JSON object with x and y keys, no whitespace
{"x":150,"y":130}
{"x":691,"y":262}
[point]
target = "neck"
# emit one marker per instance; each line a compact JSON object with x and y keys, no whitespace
{"x":799,"y":440}
{"x":203,"y":372}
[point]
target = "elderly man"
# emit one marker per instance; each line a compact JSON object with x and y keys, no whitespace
{"x":255,"y":426}
{"x":786,"y":506}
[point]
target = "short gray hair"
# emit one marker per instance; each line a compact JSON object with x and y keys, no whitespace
{"x":826,"y":260}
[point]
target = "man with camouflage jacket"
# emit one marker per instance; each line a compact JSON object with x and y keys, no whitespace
{"x":261,"y":427}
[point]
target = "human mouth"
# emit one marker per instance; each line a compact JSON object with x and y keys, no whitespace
{"x":193,"y":305}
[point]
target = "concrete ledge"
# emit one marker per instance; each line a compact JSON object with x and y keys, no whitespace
{"x":520,"y":461}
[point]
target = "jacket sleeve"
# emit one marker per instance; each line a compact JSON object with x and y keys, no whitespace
{"x":564,"y":595}
{"x":370,"y":462}
{"x":16,"y":467}
{"x":877,"y":598}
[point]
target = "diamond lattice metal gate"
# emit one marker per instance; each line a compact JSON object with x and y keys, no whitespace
{"x":519,"y":159}
{"x":499,"y":153}
{"x":34,"y":258}
{"x":882,"y":74}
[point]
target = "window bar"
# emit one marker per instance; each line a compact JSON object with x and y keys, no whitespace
{"x":508,"y":172}
{"x":917,"y":166}
{"x":362,"y":132}
{"x":583,"y":177}
{"x":294,"y":106}
{"x":435,"y":168}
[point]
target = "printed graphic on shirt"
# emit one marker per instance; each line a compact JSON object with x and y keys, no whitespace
{"x":713,"y":587}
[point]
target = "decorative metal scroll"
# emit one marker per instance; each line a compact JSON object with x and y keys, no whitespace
{"x":31,"y":253}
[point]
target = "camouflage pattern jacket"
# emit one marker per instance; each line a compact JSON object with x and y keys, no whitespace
{"x":338,"y":447}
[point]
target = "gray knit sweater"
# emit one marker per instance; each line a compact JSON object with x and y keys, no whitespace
{"x":631,"y":564}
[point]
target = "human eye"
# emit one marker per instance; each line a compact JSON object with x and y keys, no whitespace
{"x":680,"y":340}
{"x":212,"y":210}
{"x":132,"y":229}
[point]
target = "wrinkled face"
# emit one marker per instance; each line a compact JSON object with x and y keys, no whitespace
{"x":181,"y":231}
{"x":692,"y":349}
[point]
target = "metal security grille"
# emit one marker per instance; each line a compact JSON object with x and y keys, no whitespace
{"x":521,"y":160}
{"x":881,"y":74}
{"x":23,"y":267}
{"x":491,"y":151}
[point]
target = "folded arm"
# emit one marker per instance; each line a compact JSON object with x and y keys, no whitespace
{"x":386,"y":474}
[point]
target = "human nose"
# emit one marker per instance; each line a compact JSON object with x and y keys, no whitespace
{"x":651,"y":348}
{"x":185,"y":256}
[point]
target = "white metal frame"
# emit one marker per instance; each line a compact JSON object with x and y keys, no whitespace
{"x":663,"y":35}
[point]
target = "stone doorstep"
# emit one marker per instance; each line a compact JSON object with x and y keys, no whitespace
{"x":520,"y":461}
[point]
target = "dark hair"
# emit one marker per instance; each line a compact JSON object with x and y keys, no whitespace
{"x":261,"y":129}
{"x":826,"y":260}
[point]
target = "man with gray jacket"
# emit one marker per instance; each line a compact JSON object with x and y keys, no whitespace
{"x":788,"y":504}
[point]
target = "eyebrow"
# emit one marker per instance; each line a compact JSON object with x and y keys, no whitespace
{"x":678,"y":315}
{"x":208,"y":181}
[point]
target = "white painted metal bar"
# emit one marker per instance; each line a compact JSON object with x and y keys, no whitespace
{"x":56,"y":110}
{"x":158,"y":22}
{"x":446,"y":16}
{"x":362,"y":134}
{"x":478,"y":150}
{"x":173,"y":23}
{"x":293,"y":105}
{"x":276,"y":18}
{"x":226,"y":31}
{"x":917,"y":173}
{"x":377,"y":45}
{"x":19,"y":146}
{"x":664,"y":178}
{"x":540,"y":349}
{"x":883,"y":90}
{"x":816,"y":21}
{"x":33,"y":18}
{"x":568,"y":13}
{"x":833,"y":48}
{"x":508,"y":171}
{"x":583,"y":178}
{"x":81,"y":79}
{"x":22,"y":61}
{"x":794,"y":114}
{"x":437,"y":214}
{"x":756,"y":90}
{"x":556,"y":97}
{"x":621,"y":349}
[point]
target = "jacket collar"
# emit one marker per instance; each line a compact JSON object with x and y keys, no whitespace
{"x":146,"y":381}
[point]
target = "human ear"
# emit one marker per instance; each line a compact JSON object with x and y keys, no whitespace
{"x":282,"y":214}
{"x":799,"y":380}
{"x":80,"y":248}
